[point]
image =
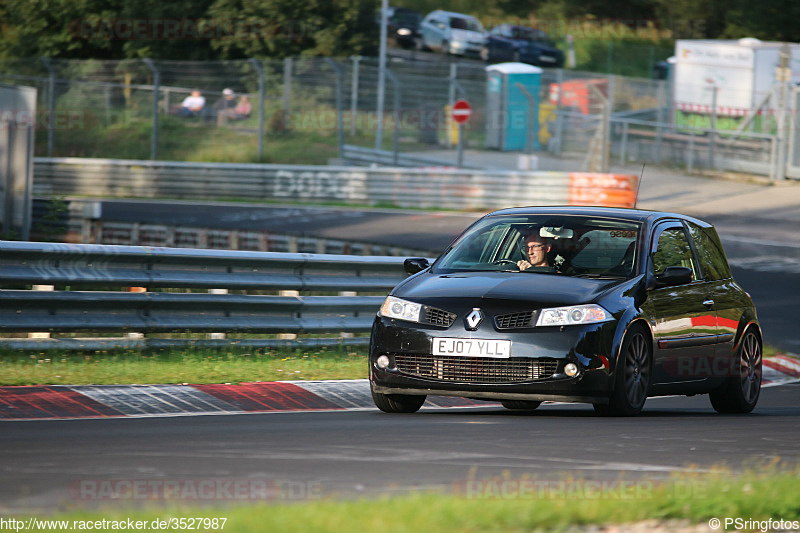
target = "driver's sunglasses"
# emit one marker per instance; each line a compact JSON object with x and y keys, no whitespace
{"x":534,"y":246}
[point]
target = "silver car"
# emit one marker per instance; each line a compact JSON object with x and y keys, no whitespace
{"x":452,"y":33}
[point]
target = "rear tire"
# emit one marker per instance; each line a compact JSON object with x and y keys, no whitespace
{"x":520,"y":405}
{"x":631,"y":376}
{"x":397,"y":403}
{"x":740,"y":392}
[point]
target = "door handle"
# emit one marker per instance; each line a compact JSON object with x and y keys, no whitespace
{"x":708,"y":303}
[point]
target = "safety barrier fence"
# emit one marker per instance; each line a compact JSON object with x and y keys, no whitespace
{"x":424,"y":188}
{"x":88,"y":289}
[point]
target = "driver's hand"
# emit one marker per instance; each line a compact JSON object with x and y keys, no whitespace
{"x":522,"y":264}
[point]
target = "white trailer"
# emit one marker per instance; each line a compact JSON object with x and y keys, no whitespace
{"x":742,"y":73}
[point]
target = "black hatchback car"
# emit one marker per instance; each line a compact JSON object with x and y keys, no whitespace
{"x":578,"y":304}
{"x":508,"y":42}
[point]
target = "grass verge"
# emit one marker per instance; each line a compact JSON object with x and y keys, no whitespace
{"x":187,"y":365}
{"x":180,"y":366}
{"x":678,"y":503}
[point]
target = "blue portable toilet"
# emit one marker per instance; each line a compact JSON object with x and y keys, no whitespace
{"x":507,"y":106}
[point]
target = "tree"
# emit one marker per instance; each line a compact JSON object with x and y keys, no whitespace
{"x":282,"y":28}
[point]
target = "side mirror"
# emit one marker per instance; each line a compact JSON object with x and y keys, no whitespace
{"x":674,"y":276}
{"x":412,"y":265}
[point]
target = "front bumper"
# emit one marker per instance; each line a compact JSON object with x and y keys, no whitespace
{"x":588,"y":347}
{"x":465,"y":48}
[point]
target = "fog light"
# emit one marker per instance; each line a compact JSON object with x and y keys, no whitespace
{"x":571,"y":369}
{"x":383,"y":362}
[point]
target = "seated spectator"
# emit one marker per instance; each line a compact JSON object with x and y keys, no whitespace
{"x":225,"y":107}
{"x":192,"y":105}
{"x":243,"y":108}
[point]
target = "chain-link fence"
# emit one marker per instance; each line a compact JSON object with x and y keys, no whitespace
{"x":303,"y":110}
{"x":106,"y":108}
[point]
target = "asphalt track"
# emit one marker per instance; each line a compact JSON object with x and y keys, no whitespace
{"x":45,"y":464}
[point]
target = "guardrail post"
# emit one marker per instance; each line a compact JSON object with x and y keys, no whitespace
{"x":288,"y":336}
{"x":217,"y":335}
{"x":135,"y":334}
{"x":347,"y":334}
{"x":41,"y":334}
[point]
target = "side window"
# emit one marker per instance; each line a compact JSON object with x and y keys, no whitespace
{"x":673,"y":250}
{"x":709,"y":253}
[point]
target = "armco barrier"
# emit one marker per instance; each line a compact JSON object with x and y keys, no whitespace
{"x":431,"y":188}
{"x":107,"y":271}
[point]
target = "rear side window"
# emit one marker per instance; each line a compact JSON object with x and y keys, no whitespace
{"x":673,"y":250}
{"x":709,"y":253}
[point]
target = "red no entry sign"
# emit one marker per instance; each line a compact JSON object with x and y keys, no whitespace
{"x":461,"y":111}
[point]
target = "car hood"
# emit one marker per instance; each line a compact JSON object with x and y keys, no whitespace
{"x":547,"y":289}
{"x":466,"y":35}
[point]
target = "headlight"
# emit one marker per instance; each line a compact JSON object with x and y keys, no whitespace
{"x":402,"y":309}
{"x":403,"y":31}
{"x":574,"y":315}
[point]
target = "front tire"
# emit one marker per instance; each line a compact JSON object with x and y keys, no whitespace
{"x":740,"y":392}
{"x":397,"y":403}
{"x":520,"y":405}
{"x":632,"y":376}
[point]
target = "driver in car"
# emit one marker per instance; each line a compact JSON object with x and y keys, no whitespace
{"x":536,"y":249}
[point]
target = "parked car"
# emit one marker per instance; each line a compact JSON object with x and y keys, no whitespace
{"x":631,"y":304}
{"x":403,"y":26}
{"x":508,"y":42}
{"x":451,"y":33}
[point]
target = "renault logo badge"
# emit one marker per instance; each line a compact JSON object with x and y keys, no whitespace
{"x":474,"y":319}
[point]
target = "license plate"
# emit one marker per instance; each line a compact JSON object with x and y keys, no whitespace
{"x":471,"y":347}
{"x":547,"y":59}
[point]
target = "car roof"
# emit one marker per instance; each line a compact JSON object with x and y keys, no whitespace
{"x":450,"y":14}
{"x":637,"y":215}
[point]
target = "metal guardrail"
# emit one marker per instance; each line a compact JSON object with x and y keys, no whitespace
{"x":405,"y":187}
{"x":108,"y":271}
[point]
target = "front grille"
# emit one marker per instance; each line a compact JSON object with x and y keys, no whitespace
{"x":476,"y":369}
{"x":439,"y":317}
{"x":514,"y":320}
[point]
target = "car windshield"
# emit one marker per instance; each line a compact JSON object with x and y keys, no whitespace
{"x":530,"y":34}
{"x":568,"y":245}
{"x":407,"y":18}
{"x":458,"y":23}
